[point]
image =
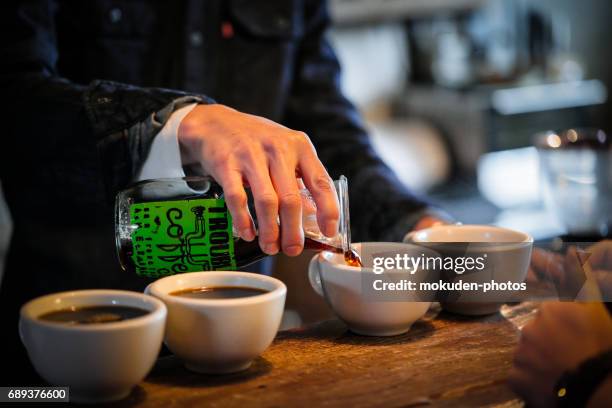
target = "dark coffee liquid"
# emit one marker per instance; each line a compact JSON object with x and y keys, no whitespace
{"x":93,"y":314}
{"x":219,"y":292}
{"x":352,"y":258}
{"x":249,"y":252}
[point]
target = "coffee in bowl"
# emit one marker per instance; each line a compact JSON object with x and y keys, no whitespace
{"x":100,"y":343}
{"x":477,"y":256}
{"x":219,"y":322}
{"x":93,"y":314}
{"x":219,"y":292}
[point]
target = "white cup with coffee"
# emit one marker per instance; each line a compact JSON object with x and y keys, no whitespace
{"x":349,"y":290}
{"x":100,"y":343}
{"x":219,"y":322}
{"x":503,"y":253}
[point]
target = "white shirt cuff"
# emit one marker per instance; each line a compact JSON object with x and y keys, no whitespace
{"x":164,"y":159}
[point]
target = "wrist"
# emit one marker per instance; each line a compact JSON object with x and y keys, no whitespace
{"x":187,"y":135}
{"x":164,"y":157}
{"x":205,"y":120}
{"x":187,"y":141}
{"x":576,"y":387}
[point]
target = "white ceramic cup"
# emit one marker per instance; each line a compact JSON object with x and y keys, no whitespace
{"x":508,"y":255}
{"x":220,"y":335}
{"x":343,"y":288}
{"x":100,"y":362}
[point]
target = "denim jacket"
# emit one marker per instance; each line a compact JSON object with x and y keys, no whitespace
{"x":90,"y":84}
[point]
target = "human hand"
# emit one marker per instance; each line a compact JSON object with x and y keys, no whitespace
{"x":568,"y":272}
{"x":546,"y":266}
{"x":427,"y":222}
{"x":236,"y":148}
{"x":558,"y":339}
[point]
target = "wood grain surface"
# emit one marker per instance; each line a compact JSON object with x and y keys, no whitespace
{"x":444,"y":360}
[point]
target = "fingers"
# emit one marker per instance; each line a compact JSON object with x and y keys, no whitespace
{"x":269,"y":157}
{"x":540,"y":258}
{"x":266,"y":202}
{"x":531,"y":337}
{"x":236,"y":200}
{"x":533,"y":375}
{"x":290,"y":205}
{"x":546,"y":264}
{"x":531,"y":387}
{"x":532,"y":276}
{"x":604,"y":281}
{"x":574,"y":277}
{"x":519,"y":382}
{"x":529,"y":358}
{"x":601,"y":254}
{"x":323,"y":191}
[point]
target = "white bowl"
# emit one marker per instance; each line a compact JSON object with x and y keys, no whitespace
{"x":345,"y":289}
{"x":99,"y":362}
{"x":220,"y":335}
{"x":508,"y":254}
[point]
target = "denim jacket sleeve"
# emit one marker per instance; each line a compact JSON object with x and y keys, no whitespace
{"x":93,"y":138}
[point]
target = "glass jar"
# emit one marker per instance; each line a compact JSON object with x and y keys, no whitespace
{"x":169,"y":226}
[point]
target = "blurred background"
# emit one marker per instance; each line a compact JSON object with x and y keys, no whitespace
{"x":453,"y":92}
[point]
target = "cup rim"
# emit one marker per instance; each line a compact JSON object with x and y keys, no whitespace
{"x":159,"y":311}
{"x":279,"y":290}
{"x":525,"y":238}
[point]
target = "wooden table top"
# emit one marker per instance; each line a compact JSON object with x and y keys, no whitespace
{"x":444,"y":360}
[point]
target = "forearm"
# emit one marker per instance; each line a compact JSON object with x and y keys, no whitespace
{"x":84,"y":139}
{"x":69,"y":126}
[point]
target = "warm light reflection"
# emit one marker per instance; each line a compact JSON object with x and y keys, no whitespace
{"x":572,"y":135}
{"x":553,"y":140}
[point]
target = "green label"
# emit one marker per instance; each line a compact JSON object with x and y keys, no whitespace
{"x":181,"y":236}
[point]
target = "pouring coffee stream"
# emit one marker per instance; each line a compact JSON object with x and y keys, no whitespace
{"x":169,"y":226}
{"x":352,"y":258}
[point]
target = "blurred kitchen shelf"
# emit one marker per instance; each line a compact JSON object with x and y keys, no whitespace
{"x":497,"y":117}
{"x":546,"y":97}
{"x":464,"y":202}
{"x":367,"y":11}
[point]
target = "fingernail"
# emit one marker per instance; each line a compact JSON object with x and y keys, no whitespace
{"x":293,"y":250}
{"x":331,"y":228}
{"x":270,"y":249}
